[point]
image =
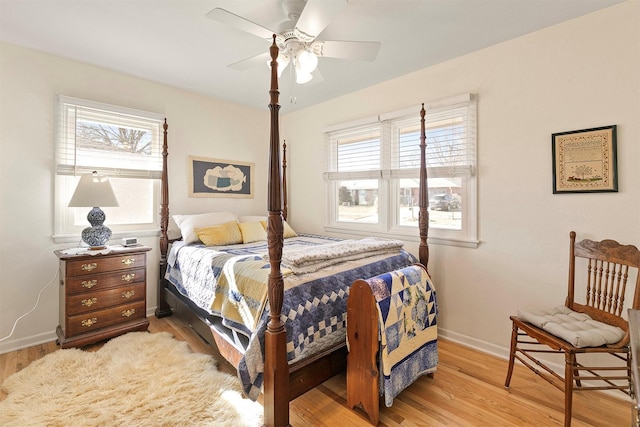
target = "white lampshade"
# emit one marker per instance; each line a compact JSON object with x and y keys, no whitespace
{"x":93,"y":190}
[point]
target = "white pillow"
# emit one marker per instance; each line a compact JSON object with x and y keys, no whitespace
{"x":187,"y":223}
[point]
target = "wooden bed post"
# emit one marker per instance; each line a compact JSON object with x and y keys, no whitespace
{"x":163,"y":309}
{"x":423,"y":216}
{"x":276,"y":368}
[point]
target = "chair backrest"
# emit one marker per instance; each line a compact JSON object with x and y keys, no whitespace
{"x":610,"y":269}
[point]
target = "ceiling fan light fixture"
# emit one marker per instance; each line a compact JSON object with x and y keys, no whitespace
{"x":308,"y":61}
{"x":302,"y":76}
{"x":283,"y":61}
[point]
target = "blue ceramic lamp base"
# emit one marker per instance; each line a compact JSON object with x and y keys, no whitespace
{"x":97,"y":235}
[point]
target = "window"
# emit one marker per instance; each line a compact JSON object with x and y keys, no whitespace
{"x":118,"y":142}
{"x":373,"y":173}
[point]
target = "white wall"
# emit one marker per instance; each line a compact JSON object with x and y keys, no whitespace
{"x":29,"y":83}
{"x":581,"y":74}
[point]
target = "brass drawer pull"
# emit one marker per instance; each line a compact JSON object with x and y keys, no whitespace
{"x":128,"y":294}
{"x":89,"y":267}
{"x":89,"y":302}
{"x":89,"y":283}
{"x":128,"y":261}
{"x":90,"y":322}
{"x":128,"y":277}
{"x":129,"y":313}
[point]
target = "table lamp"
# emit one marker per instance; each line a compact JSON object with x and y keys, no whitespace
{"x":94,"y":190}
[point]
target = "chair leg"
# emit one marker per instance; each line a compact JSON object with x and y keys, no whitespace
{"x":576,"y":371}
{"x":512,"y":354}
{"x":569,"y":367}
{"x":632,"y":393}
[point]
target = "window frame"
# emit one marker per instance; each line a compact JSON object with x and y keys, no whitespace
{"x":389,"y":177}
{"x":67,"y":168}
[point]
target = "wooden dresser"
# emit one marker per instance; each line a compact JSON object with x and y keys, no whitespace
{"x":102,"y":296}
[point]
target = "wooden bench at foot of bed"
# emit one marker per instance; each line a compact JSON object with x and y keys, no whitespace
{"x":396,"y":293}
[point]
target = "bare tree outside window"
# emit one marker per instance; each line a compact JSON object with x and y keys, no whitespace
{"x":114,"y":138}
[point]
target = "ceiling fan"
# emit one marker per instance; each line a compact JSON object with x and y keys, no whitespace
{"x":297,"y":37}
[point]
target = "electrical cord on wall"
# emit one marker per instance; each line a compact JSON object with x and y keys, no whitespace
{"x":34,"y":307}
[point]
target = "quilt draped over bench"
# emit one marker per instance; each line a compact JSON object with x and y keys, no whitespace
{"x":407,"y":311}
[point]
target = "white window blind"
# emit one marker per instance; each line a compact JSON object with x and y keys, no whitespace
{"x":116,"y":141}
{"x":356,"y":153}
{"x":377,"y":164}
{"x":450,"y":139}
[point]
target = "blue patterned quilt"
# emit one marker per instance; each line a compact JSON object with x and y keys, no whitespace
{"x":314,"y":307}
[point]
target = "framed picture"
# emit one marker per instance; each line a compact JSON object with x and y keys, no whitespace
{"x":585,"y":161}
{"x":220,"y":178}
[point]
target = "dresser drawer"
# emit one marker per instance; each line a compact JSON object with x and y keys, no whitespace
{"x":96,"y":282}
{"x":102,"y":318}
{"x":104,"y":264}
{"x":82,"y":303}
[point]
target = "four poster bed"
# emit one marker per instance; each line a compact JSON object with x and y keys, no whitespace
{"x":287,"y":336}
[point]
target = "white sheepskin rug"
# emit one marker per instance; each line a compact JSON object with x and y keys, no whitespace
{"x":137,"y":379}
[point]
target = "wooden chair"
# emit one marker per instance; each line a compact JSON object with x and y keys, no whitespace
{"x":609,"y":267}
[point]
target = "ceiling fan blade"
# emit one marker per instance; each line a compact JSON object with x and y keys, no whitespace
{"x":315,"y":17}
{"x":358,"y":51}
{"x":233,"y":20}
{"x":247,"y":63}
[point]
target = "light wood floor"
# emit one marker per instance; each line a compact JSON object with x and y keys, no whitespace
{"x":467,"y":390}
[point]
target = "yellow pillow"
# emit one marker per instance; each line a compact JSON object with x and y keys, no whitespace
{"x":219,"y":235}
{"x":287,"y":231}
{"x":252,"y":232}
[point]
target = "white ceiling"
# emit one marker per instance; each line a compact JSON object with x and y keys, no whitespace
{"x":173,"y":42}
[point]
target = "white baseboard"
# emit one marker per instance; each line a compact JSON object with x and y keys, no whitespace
{"x":467,"y":341}
{"x":25,"y":342}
